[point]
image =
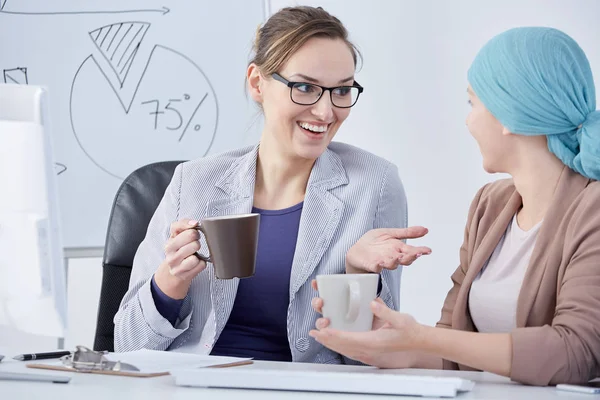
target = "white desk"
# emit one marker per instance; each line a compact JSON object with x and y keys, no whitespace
{"x":102,"y":387}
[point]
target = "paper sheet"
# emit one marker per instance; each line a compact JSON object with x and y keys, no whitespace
{"x":153,"y":361}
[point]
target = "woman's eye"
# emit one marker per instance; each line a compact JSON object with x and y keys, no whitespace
{"x":305,"y":88}
{"x":342,"y":91}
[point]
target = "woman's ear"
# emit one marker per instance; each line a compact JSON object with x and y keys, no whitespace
{"x":254,"y":79}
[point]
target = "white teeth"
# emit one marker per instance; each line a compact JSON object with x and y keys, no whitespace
{"x":313,"y":128}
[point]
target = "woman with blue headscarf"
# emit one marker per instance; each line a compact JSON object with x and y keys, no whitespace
{"x":525,"y":301}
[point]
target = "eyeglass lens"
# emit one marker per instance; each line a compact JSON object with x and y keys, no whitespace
{"x":307,"y":94}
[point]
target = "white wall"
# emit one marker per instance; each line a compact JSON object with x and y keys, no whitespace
{"x":416,"y":54}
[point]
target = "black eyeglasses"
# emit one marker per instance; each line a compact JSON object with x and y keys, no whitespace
{"x":307,"y":94}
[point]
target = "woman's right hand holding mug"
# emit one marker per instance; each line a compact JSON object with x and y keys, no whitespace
{"x":174,"y":275}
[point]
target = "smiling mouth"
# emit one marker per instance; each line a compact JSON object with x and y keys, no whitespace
{"x":314,"y":129}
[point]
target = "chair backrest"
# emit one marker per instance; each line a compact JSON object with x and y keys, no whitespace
{"x":133,"y":207}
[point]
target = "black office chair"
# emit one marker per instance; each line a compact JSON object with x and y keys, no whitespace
{"x":133,"y":207}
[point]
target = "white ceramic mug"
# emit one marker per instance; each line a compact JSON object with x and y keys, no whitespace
{"x":347,"y":300}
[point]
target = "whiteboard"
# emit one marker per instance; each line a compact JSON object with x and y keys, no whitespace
{"x":130,"y":83}
{"x":414,"y":106}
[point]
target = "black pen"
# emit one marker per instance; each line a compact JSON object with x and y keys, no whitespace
{"x":41,"y":356}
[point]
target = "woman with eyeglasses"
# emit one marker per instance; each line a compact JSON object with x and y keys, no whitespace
{"x":525,"y":301}
{"x":325,"y":208}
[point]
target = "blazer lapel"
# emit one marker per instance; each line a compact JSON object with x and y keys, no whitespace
{"x":481,"y":254}
{"x":321,"y":215}
{"x":234,"y":194}
{"x":568,"y":188}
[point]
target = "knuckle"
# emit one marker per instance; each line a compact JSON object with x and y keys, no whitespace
{"x":186,"y":255}
{"x":196,"y":246}
{"x":195,"y":266}
{"x":193,"y":234}
{"x":189,"y":261}
{"x":184,"y":267}
{"x":171,"y":259}
{"x":175,"y":226}
{"x":201,"y":266}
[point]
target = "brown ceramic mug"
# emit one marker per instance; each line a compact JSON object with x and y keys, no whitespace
{"x":232,"y":243}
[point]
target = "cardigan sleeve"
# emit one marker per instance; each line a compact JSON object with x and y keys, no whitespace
{"x":459,"y":274}
{"x":568,"y":350}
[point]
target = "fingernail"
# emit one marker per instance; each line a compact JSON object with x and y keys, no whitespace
{"x":193,"y":223}
{"x":311,"y":334}
{"x":375,"y":305}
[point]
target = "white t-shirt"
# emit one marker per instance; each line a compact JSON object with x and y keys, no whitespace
{"x":495,"y":290}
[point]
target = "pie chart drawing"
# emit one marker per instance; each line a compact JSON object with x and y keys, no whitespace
{"x":125,"y":117}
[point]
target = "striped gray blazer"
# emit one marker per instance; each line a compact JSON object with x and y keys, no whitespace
{"x":349,"y":192}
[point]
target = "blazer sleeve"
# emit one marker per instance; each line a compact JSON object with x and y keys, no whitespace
{"x":459,"y":274}
{"x":138,"y":323}
{"x":392,"y":212}
{"x":568,"y":350}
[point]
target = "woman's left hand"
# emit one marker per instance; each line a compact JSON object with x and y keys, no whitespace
{"x":384,"y":248}
{"x":385,"y":346}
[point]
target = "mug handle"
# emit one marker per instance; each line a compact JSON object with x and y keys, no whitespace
{"x":353,"y":301}
{"x":198,"y":255}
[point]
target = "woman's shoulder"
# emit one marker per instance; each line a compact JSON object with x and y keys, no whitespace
{"x":490,"y":199}
{"x":497,"y":192}
{"x":591,"y":194}
{"x":587,"y":205}
{"x":215,"y":165}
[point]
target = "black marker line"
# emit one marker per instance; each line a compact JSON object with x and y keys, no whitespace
{"x":107,"y":33}
{"x":71,"y":114}
{"x":114,"y":37}
{"x":10,"y":78}
{"x":164,"y":11}
{"x":129,"y":45}
{"x":121,"y":41}
{"x":193,"y":115}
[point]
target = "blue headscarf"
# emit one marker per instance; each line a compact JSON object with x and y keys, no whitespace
{"x":538,"y":81}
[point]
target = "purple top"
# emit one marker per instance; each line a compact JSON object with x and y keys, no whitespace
{"x":257,"y":325}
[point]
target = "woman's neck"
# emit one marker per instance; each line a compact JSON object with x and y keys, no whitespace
{"x":536,"y":179}
{"x":281,"y":179}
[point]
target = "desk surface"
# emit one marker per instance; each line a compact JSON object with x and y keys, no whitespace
{"x":102,"y":387}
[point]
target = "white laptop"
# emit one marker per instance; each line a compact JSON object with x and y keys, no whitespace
{"x":26,"y":376}
{"x":322,"y":381}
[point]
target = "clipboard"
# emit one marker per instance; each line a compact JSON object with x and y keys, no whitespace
{"x":103,"y":372}
{"x":85,"y":360}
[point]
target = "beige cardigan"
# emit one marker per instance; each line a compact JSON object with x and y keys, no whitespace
{"x":557,"y":339}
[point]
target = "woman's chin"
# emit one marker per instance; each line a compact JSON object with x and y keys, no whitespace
{"x":312,"y":151}
{"x":491,"y":168}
